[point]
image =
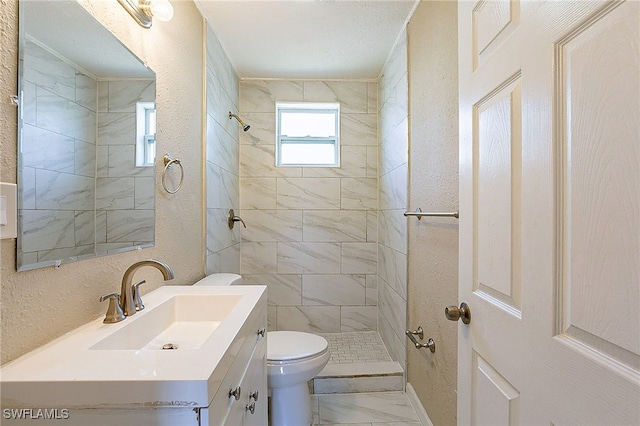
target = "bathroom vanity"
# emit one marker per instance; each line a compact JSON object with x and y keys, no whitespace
{"x":194,"y":356}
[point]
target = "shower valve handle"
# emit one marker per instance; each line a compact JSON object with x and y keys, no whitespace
{"x":232,"y":219}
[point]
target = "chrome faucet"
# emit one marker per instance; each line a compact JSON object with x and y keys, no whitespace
{"x":126,"y":293}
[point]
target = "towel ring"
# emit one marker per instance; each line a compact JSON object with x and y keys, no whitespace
{"x":168,"y":162}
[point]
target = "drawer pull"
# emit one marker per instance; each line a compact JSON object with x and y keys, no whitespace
{"x":261,"y":332}
{"x":251,"y":408}
{"x":254,"y":395}
{"x":235,"y":393}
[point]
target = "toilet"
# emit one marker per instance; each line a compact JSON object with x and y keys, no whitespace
{"x":293,"y":358}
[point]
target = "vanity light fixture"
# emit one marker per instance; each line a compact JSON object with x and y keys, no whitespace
{"x":144,"y":10}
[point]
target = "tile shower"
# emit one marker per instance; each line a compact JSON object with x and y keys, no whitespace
{"x":330,"y":243}
{"x":68,"y":105}
{"x":393,"y":196}
{"x":222,"y":160}
{"x":311,"y":231}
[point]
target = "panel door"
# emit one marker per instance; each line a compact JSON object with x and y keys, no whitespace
{"x":549,"y":212}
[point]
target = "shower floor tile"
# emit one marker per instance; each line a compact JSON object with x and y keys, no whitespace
{"x":356,"y":347}
{"x":359,"y":363}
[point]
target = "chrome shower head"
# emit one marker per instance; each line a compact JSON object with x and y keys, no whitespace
{"x":244,"y":125}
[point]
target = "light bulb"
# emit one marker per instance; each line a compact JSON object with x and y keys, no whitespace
{"x":162,"y":10}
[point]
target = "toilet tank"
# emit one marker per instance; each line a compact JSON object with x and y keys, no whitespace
{"x":220,"y":279}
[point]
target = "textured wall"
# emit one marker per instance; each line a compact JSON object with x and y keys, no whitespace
{"x":433,"y":242}
{"x":311,"y":231}
{"x":39,"y":305}
{"x":222,"y":155}
{"x":392,"y":225}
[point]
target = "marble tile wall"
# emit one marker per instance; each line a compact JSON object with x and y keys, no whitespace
{"x":222,"y":161}
{"x":312,"y":232}
{"x":124,"y":192}
{"x":393,"y":198}
{"x":57,"y":165}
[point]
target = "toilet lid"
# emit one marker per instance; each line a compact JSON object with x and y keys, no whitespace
{"x":289,"y":345}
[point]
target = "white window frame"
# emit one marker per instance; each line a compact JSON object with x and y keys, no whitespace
{"x":145,"y":141}
{"x":302,"y":107}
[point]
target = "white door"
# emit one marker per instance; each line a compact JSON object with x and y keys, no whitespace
{"x":549,"y":212}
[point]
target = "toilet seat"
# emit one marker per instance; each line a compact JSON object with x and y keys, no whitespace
{"x":294,"y":346}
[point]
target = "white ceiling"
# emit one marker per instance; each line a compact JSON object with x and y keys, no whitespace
{"x":306,"y":39}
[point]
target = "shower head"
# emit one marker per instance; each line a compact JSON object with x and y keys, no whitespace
{"x":244,"y":125}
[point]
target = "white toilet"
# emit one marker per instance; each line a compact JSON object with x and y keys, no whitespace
{"x":293,"y":358}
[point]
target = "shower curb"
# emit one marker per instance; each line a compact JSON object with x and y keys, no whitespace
{"x":359,"y":377}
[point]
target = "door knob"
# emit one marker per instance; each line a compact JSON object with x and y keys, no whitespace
{"x":453,"y":313}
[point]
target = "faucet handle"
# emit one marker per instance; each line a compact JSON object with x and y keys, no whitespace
{"x":232,"y":219}
{"x":137,"y":299}
{"x":114,"y":311}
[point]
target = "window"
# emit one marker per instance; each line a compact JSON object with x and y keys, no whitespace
{"x":145,"y":134}
{"x":308,"y":134}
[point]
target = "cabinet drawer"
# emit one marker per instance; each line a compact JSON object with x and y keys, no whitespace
{"x":223,"y":402}
{"x":254,"y":393}
{"x":255,"y":380}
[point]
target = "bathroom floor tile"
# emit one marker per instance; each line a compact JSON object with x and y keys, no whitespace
{"x":375,"y":424}
{"x":314,"y":409}
{"x":366,"y":408}
{"x":349,"y":424}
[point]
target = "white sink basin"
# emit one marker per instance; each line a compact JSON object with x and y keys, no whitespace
{"x":184,"y":321}
{"x":123,"y":364}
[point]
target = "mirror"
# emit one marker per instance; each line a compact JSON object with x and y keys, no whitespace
{"x":86,"y":139}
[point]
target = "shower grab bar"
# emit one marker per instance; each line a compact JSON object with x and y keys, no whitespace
{"x":430,"y":343}
{"x":419,"y":213}
{"x":419,"y":332}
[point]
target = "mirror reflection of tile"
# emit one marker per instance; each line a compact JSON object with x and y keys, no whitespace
{"x":80,"y":192}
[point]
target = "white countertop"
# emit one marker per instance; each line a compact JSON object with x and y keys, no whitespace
{"x":68,"y":373}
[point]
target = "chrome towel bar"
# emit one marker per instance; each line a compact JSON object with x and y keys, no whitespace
{"x":419,"y":213}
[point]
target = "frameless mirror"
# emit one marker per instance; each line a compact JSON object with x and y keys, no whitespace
{"x":86,"y":139}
